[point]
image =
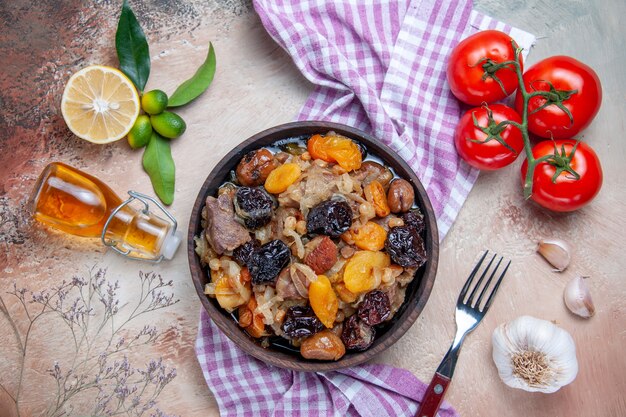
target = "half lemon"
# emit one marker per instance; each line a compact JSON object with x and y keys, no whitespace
{"x":100,"y":104}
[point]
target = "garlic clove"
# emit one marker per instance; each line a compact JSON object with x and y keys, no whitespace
{"x":556,"y":252}
{"x":578,"y":298}
{"x":534,"y":355}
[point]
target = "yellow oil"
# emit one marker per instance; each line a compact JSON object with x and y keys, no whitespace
{"x":80,"y":204}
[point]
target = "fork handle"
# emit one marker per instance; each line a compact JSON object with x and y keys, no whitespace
{"x":433,"y":396}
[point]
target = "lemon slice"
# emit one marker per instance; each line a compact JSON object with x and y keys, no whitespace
{"x":100,"y":104}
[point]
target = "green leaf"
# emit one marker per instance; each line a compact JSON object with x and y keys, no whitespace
{"x":132,"y":48}
{"x":196,"y":85}
{"x":158,"y":163}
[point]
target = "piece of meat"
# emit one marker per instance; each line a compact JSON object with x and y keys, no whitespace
{"x":223,"y":232}
{"x":277,"y":224}
{"x":285,"y":287}
{"x":293,"y":282}
{"x":321,"y":254}
{"x":302,"y":276}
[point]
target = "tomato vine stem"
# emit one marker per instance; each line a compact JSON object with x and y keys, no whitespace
{"x":523,"y":126}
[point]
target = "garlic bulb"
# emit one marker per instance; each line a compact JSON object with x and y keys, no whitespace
{"x":578,"y":299}
{"x":556,"y":252}
{"x":534,"y":355}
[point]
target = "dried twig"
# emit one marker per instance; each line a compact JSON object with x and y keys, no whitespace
{"x":122,"y":389}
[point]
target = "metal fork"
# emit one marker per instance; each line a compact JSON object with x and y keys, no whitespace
{"x":468,"y":314}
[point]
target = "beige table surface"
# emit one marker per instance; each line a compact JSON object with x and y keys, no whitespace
{"x":257,"y":86}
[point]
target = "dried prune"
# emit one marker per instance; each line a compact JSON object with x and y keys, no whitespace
{"x":266,"y":262}
{"x":405,"y":246}
{"x":301,"y":322}
{"x":375,"y":308}
{"x":254,"y":206}
{"x":242,"y":254}
{"x":414,"y":219}
{"x":356,"y":335}
{"x":332,"y":218}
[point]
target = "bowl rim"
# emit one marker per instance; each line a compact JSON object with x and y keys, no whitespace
{"x":283,"y":360}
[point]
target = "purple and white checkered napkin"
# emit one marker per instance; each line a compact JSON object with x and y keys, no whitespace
{"x":378,"y":65}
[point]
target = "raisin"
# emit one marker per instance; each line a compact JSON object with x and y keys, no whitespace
{"x":330,"y":218}
{"x":414,"y":219}
{"x":356,"y":335}
{"x":266,"y":262}
{"x":375,"y":308}
{"x":254,"y":206}
{"x":301,"y":322}
{"x":242,"y":254}
{"x":405,"y":247}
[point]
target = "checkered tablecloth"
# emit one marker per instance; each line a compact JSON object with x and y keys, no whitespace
{"x":378,"y":65}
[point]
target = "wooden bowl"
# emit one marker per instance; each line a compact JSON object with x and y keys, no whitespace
{"x":417,"y":292}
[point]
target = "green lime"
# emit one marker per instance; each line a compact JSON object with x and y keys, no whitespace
{"x":140,"y":133}
{"x":154,"y":101}
{"x":168,"y":124}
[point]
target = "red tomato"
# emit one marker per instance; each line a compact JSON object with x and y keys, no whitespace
{"x":489,"y":155}
{"x":567,"y":193}
{"x":465,"y":70}
{"x":567,"y":74}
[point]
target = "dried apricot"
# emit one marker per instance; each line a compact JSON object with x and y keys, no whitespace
{"x":336,"y":148}
{"x":231,"y":292}
{"x":323,"y":300}
{"x":359,"y":275}
{"x":375,"y":194}
{"x":245,"y":316}
{"x":370,"y":236}
{"x":345,"y":294}
{"x":252,"y":322}
{"x":318,"y":146}
{"x":245,"y":274}
{"x":282,"y":177}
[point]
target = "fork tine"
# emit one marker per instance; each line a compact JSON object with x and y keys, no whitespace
{"x":495,"y":289}
{"x":471,"y":297}
{"x":471,"y":277}
{"x":493,"y":273}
